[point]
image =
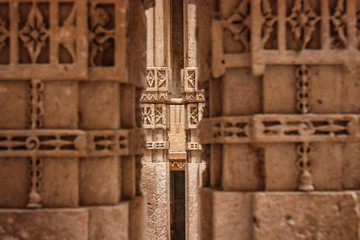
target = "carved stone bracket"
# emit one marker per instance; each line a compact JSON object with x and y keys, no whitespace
{"x":193,"y":146}
{"x":270,"y":128}
{"x":257,"y":18}
{"x":70,"y":143}
{"x":157,"y":145}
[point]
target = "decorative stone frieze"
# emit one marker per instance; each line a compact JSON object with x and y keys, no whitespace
{"x":266,"y":20}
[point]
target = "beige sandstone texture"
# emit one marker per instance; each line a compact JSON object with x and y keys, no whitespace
{"x":71,"y":73}
{"x":281,"y":126}
{"x":280,"y":132}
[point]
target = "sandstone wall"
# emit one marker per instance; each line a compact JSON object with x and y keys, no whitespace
{"x":70,"y":78}
{"x":282,"y":128}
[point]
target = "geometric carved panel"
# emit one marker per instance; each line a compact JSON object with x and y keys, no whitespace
{"x":47,"y":38}
{"x":76,"y":40}
{"x":287,"y":21}
{"x":268,"y":128}
{"x":70,"y":143}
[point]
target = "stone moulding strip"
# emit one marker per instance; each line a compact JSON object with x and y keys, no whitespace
{"x":271,"y":128}
{"x":70,"y":143}
{"x":261,"y":22}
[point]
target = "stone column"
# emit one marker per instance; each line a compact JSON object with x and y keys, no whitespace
{"x":283,"y":119}
{"x":194,"y":104}
{"x":68,"y":133}
{"x":155,"y":182}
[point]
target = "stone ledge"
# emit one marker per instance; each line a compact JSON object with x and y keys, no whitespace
{"x":91,"y":223}
{"x":279,"y":215}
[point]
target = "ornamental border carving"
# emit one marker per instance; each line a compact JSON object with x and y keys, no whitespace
{"x":71,"y":143}
{"x":272,"y":128}
{"x":258,"y":21}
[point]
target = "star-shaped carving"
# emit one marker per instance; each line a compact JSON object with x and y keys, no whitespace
{"x":239,"y":24}
{"x":303,"y":20}
{"x":34,"y":33}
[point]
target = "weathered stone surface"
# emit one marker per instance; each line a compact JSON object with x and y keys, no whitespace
{"x":110,"y":223}
{"x":279,"y":86}
{"x":68,"y":68}
{"x":241,"y":168}
{"x":137,"y":218}
{"x":47,"y":224}
{"x":306,"y":216}
{"x":99,"y":105}
{"x":226,"y":215}
{"x":244,"y":90}
{"x":351,"y":166}
{"x":326,"y":166}
{"x":14,"y":184}
{"x":148,"y":186}
{"x":162,"y":171}
{"x":13,"y":95}
{"x":99,"y":181}
{"x":192,"y":200}
{"x":61,"y":104}
{"x":281,"y":173}
{"x":60,"y":186}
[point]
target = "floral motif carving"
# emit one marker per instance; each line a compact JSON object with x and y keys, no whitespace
{"x":339,"y":23}
{"x":269,"y":21}
{"x":302,"y":20}
{"x":67,"y":33}
{"x":34,"y":33}
{"x":239,"y":24}
{"x":177,"y":165}
{"x":147,"y":115}
{"x":4,"y":34}
{"x":98,"y":33}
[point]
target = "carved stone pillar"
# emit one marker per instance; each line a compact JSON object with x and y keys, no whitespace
{"x":155,"y":182}
{"x":155,"y":174}
{"x":194,"y":104}
{"x":69,"y":140}
{"x":283,"y":124}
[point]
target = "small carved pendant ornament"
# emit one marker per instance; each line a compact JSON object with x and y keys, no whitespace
{"x":303,"y":149}
{"x":304,"y":164}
